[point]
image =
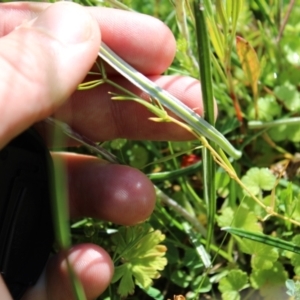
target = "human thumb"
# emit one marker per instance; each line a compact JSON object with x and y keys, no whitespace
{"x":4,"y":294}
{"x":42,"y":61}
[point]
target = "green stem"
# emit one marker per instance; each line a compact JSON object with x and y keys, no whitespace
{"x":61,"y":214}
{"x":180,"y":210}
{"x":260,"y":125}
{"x":60,"y":197}
{"x":209,"y":167}
{"x":168,"y":175}
{"x":204,"y":62}
{"x":264,"y":239}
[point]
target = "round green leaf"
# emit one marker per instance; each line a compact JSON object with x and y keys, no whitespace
{"x":258,"y":179}
{"x":289,"y":95}
{"x":138,"y":156}
{"x":230,"y":285}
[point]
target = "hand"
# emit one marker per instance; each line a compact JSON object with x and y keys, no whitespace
{"x":46,"y":50}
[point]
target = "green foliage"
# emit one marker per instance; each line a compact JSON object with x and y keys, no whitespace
{"x":295,"y":257}
{"x":285,"y":133}
{"x":293,"y":289}
{"x":258,"y":180}
{"x":138,"y":156}
{"x":268,"y":109}
{"x":141,"y":257}
{"x":263,"y":256}
{"x":232,"y":283}
{"x":270,"y":282}
{"x":256,"y":79}
{"x":289,"y":95}
{"x":242,"y":218}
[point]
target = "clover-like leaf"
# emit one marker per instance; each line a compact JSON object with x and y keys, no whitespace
{"x":293,"y":132}
{"x":235,"y":281}
{"x":290,"y":285}
{"x":141,"y":257}
{"x":124,"y":274}
{"x":285,"y":133}
{"x":295,"y":258}
{"x":243,"y":218}
{"x":289,"y":95}
{"x":263,"y":256}
{"x":268,"y":109}
{"x":225,"y":219}
{"x":270,"y":282}
{"x":258,"y":179}
{"x":138,"y":156}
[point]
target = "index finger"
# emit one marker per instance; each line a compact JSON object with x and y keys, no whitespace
{"x":143,"y":41}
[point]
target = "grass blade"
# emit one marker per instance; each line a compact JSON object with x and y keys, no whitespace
{"x":173,"y":104}
{"x":61,"y":213}
{"x":265,"y":239}
{"x":209,"y":167}
{"x":204,"y":62}
{"x":168,"y":175}
{"x":250,"y":65}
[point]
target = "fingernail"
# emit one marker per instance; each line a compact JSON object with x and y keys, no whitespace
{"x":67,"y":22}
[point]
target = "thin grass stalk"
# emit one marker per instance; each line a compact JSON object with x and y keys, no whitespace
{"x":186,"y":199}
{"x":181,"y":17}
{"x":262,"y":125}
{"x":233,"y":10}
{"x":67,"y":130}
{"x":209,"y":193}
{"x":209,"y":167}
{"x":222,"y":16}
{"x":232,"y":197}
{"x":204,"y":59}
{"x":61,"y":213}
{"x":166,"y":200}
{"x":265,"y":11}
{"x":78,"y":290}
{"x":115,"y":4}
{"x":208,"y":6}
{"x":168,"y":175}
{"x":60,"y":206}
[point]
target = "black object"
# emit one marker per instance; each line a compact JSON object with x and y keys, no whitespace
{"x":26,"y":231}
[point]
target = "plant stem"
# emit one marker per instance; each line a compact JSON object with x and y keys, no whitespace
{"x":208,"y":104}
{"x":285,"y":20}
{"x":180,"y":210}
{"x":260,"y":125}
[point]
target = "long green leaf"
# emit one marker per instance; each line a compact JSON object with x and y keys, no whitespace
{"x":167,"y":100}
{"x":168,"y":175}
{"x":60,"y":204}
{"x":61,"y":213}
{"x":209,"y":167}
{"x":221,"y":14}
{"x":265,"y":239}
{"x":236,"y":7}
{"x":204,"y":62}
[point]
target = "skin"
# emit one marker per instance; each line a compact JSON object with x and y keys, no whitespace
{"x":46,"y":50}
